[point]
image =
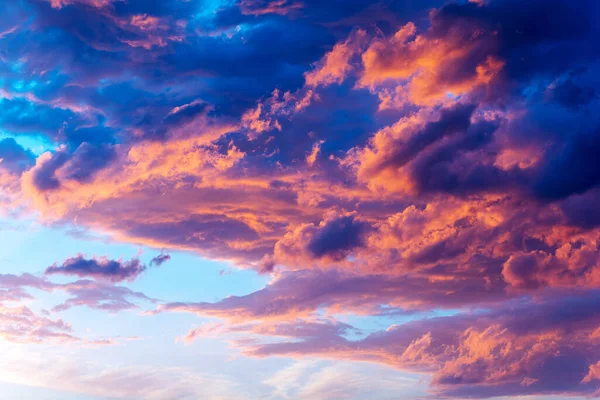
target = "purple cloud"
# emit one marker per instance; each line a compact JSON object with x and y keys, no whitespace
{"x":98,"y":268}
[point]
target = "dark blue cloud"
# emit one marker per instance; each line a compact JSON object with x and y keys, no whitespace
{"x":570,"y":166}
{"x":80,"y":165}
{"x":441,"y":169}
{"x":87,"y":160}
{"x":582,"y":210}
{"x":103,"y":269}
{"x":338,"y":237}
{"x":571,"y":95}
{"x":455,"y":120}
{"x":558,"y":44}
{"x":14,"y":157}
{"x":160,"y":259}
{"x":44,"y":178}
{"x":21,"y":116}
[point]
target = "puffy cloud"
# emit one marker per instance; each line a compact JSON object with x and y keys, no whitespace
{"x":100,"y":268}
{"x":80,"y":166}
{"x":333,"y":239}
{"x":13,"y":157}
{"x":391,"y":149}
{"x":336,"y":65}
{"x":442,"y":61}
{"x":336,"y":237}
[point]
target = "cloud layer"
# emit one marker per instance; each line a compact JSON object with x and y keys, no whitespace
{"x":374,"y":159}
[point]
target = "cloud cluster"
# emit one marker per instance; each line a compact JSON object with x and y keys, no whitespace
{"x":379,"y":159}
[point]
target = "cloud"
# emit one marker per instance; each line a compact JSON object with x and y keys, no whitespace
{"x":336,"y":237}
{"x":302,"y":294}
{"x":77,"y":375}
{"x":160,"y":259}
{"x":100,"y":296}
{"x":311,"y":158}
{"x":260,"y":7}
{"x":14,"y":158}
{"x":22,"y":325}
{"x":376,"y":159}
{"x":202,"y":331}
{"x":99,"y":268}
{"x":335,"y":65}
{"x":92,"y":294}
{"x":438,"y":62}
{"x":93,"y":3}
{"x":512,"y":349}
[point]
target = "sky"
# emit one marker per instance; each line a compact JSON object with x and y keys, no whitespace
{"x":299,"y":199}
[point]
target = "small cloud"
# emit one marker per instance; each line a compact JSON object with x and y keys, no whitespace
{"x":160,"y":259}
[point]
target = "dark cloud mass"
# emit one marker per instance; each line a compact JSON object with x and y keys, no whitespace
{"x":14,"y":157}
{"x":337,"y":236}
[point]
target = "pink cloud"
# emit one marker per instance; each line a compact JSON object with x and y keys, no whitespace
{"x":261,"y":7}
{"x":335,"y":66}
{"x":500,"y":351}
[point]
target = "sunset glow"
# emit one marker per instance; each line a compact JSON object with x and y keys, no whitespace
{"x":299,"y":199}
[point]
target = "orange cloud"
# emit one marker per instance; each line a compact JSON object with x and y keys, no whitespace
{"x":335,"y":66}
{"x":432,"y":66}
